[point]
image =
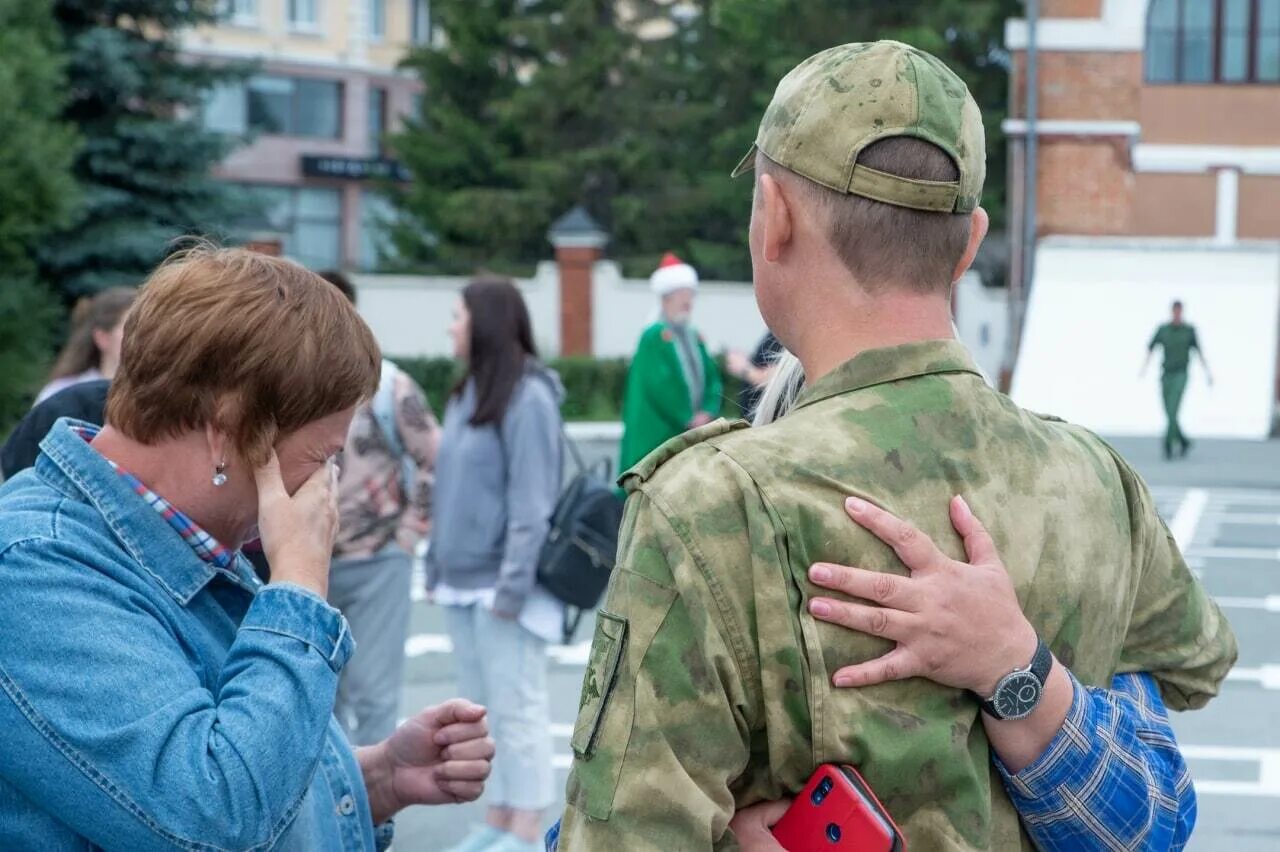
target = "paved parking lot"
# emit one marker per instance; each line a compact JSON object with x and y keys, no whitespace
{"x":1230,"y":532}
{"x":1232,"y":538}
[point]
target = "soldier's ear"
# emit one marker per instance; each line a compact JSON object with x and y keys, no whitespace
{"x":776,"y":218}
{"x":979,"y":223}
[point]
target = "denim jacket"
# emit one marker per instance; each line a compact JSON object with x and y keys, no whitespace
{"x":149,"y":700}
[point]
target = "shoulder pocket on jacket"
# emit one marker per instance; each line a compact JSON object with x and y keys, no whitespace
{"x":598,"y":682}
{"x":602,"y":735}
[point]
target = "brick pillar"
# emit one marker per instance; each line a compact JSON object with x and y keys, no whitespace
{"x":576,"y":264}
{"x":579,"y":243}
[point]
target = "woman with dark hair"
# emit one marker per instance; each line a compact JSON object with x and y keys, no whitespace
{"x":92,"y":350}
{"x":497,"y":479}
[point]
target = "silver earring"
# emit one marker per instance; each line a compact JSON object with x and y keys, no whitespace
{"x":220,"y":475}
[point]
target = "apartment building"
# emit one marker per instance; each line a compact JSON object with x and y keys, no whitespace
{"x":326,"y":92}
{"x":1156,"y":117}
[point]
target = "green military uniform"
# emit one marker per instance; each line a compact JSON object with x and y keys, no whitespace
{"x":660,"y":401}
{"x":1177,"y":340}
{"x":709,"y":684}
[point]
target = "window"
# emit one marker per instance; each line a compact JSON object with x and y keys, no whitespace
{"x":242,"y":13}
{"x":310,"y":220}
{"x":1213,"y":41}
{"x":377,"y":20}
{"x":376,"y":218}
{"x":420,"y":21}
{"x":225,"y":109}
{"x":304,"y":15}
{"x":1267,"y":57}
{"x":377,"y":119}
{"x":269,"y":103}
{"x":295,"y":106}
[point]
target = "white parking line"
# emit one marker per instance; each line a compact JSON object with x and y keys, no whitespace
{"x":570,"y":655}
{"x":1245,"y":495}
{"x":1266,"y":554}
{"x":1254,"y":520}
{"x":1268,"y":760}
{"x":1271,"y":603}
{"x":421,"y":644}
{"x":427,"y":643}
{"x":1187,"y":517}
{"x":1267,"y":676}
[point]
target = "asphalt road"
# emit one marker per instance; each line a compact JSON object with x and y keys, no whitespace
{"x":1223,"y":505}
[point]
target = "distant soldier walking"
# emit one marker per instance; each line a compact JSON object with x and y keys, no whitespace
{"x":1177,"y":338}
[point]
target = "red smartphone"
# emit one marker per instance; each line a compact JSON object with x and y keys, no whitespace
{"x":837,"y":812}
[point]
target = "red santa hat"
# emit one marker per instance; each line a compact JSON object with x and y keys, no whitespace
{"x":673,"y":274}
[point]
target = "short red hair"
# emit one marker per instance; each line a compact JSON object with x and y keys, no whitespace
{"x":257,"y":345}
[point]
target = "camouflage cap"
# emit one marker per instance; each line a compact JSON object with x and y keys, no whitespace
{"x":839,"y":101}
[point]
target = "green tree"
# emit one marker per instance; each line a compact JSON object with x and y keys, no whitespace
{"x":710,"y":84}
{"x":532,"y":107}
{"x":36,"y":192}
{"x":465,"y":199}
{"x":526,"y":114}
{"x":145,"y":167}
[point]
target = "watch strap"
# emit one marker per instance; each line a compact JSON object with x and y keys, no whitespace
{"x":1042,"y":662}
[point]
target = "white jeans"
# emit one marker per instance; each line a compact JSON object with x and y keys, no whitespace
{"x":504,"y":667}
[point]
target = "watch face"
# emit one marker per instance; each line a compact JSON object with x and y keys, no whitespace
{"x":1017,"y":695}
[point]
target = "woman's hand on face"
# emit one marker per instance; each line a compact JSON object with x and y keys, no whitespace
{"x":752,"y":826}
{"x":298,"y":532}
{"x":440,"y":756}
{"x":956,"y":623}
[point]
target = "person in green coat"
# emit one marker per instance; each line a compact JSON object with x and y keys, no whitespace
{"x":673,"y":384}
{"x":1178,"y":339}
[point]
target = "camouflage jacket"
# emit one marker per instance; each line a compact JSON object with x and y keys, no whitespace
{"x":708,"y":687}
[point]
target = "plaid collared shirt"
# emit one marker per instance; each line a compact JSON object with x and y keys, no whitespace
{"x":206,"y":546}
{"x":1112,"y":779}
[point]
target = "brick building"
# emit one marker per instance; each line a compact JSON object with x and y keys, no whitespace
{"x":1156,"y":117}
{"x":1158,"y":129}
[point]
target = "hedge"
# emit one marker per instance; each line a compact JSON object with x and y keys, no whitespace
{"x":593,"y":386}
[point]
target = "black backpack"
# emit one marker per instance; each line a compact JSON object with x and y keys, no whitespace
{"x":582,"y":544}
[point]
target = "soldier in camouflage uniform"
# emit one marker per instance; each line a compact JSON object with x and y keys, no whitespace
{"x":709,"y":686}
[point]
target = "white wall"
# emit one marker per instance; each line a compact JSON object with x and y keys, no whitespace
{"x":1094,"y":306}
{"x":410,"y":314}
{"x":982,"y":316}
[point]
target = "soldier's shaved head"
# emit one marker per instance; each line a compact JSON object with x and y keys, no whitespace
{"x":887,"y":245}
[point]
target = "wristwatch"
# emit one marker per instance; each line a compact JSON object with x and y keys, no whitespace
{"x":1018,"y":692}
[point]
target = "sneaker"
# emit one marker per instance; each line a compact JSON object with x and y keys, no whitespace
{"x":482,"y":839}
{"x":511,"y":843}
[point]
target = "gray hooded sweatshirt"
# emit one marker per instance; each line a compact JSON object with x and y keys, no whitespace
{"x":495,"y":490}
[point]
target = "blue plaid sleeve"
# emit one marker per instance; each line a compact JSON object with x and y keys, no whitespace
{"x":1112,"y":779}
{"x":552,"y":840}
